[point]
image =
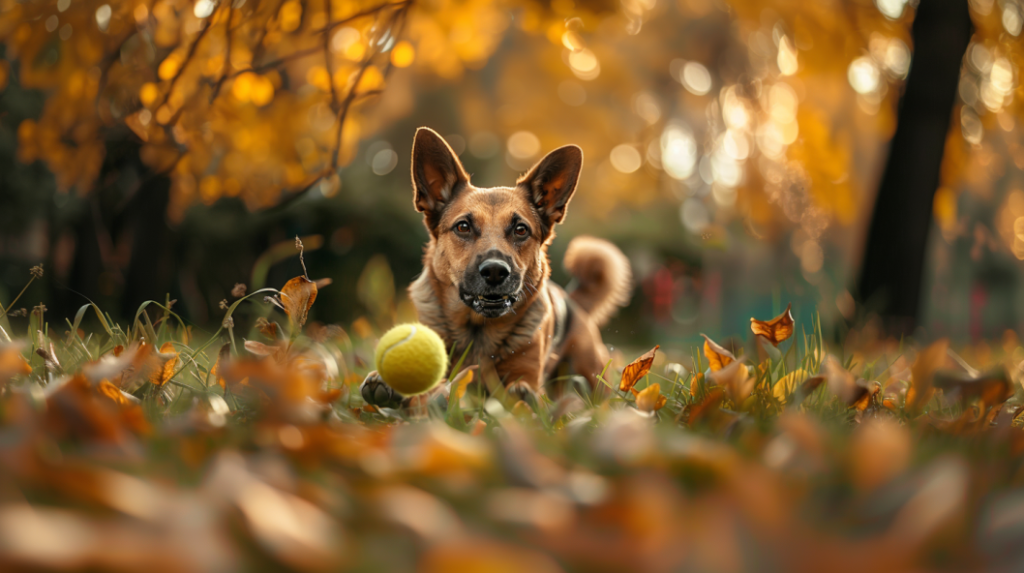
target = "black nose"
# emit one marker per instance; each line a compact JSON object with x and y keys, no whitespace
{"x":494,"y":271}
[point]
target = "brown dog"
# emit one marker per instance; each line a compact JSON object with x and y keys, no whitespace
{"x":485,"y":283}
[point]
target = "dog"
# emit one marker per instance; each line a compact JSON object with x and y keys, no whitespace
{"x":484,"y":286}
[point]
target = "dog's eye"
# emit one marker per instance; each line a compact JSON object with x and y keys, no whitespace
{"x":462,"y":227}
{"x":521,"y":230}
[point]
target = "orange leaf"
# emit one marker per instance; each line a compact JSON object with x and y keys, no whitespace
{"x":222,"y":356}
{"x":696,"y":383}
{"x":717,"y":356}
{"x":297,"y":298}
{"x":637,"y":369}
{"x":711,"y":401}
{"x":112,"y":392}
{"x":775,"y":330}
{"x":12,"y":363}
{"x":650,"y":399}
{"x":864,"y":391}
{"x":461,"y":380}
{"x":268,"y":329}
{"x":736,"y":380}
{"x":166,"y":370}
{"x":923,"y":373}
{"x":991,"y":388}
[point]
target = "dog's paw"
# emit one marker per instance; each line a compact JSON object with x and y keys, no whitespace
{"x":521,"y":391}
{"x":377,"y":393}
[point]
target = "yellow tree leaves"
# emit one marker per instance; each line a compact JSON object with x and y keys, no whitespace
{"x":775,"y":330}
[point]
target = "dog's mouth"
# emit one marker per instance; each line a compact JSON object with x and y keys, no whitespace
{"x":490,"y":305}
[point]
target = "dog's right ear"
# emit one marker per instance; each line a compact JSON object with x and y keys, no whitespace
{"x":437,"y":175}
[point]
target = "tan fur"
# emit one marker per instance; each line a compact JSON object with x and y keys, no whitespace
{"x":603,"y":274}
{"x":518,"y":345}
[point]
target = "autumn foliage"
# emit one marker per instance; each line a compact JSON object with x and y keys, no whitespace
{"x":153,"y":446}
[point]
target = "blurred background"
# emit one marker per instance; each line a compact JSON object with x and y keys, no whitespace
{"x":734,"y":149}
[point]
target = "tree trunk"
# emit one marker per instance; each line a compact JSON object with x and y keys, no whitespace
{"x":893,"y":265}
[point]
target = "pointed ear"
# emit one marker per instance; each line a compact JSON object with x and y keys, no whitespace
{"x":552,"y":181}
{"x":437,"y":174}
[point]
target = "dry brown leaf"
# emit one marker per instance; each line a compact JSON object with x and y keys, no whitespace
{"x":922,"y":374}
{"x":222,"y":357}
{"x":879,"y":451}
{"x":12,"y":363}
{"x":696,"y":383}
{"x":114,"y":393}
{"x":863,"y":392}
{"x":461,"y":380}
{"x":297,"y":297}
{"x":841,"y":382}
{"x":736,"y":380}
{"x":637,"y":369}
{"x":168,"y":361}
{"x":992,"y":388}
{"x":775,"y":330}
{"x":711,"y":401}
{"x":718,"y":357}
{"x":788,"y":384}
{"x":267,"y":328}
{"x":650,"y":399}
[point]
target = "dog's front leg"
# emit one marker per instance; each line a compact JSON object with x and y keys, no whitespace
{"x":523,"y":371}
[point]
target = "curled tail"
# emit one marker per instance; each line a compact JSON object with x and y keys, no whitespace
{"x":603,"y":277}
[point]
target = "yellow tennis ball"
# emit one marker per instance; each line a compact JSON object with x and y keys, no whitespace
{"x":411,"y":358}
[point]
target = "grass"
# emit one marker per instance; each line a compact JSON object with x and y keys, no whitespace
{"x":153,"y":445}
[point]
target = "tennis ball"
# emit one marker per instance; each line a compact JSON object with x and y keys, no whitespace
{"x":411,"y":358}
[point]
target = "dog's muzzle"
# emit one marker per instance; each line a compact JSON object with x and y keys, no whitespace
{"x":492,"y":289}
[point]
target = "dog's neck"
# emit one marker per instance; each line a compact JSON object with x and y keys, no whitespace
{"x":440,"y":307}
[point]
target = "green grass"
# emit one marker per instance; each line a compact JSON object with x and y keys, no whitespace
{"x":208,"y":456}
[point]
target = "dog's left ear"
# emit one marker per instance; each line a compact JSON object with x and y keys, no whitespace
{"x":552,"y":181}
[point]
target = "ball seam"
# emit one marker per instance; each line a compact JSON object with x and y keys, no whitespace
{"x":383,"y":355}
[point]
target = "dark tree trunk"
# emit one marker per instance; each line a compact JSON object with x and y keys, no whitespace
{"x":891,"y":274}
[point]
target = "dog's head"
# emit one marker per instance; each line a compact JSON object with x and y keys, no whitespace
{"x":491,"y":243}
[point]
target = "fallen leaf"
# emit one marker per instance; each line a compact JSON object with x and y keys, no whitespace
{"x":922,"y":374}
{"x":788,"y":384}
{"x":696,"y":383}
{"x":115,"y":394}
{"x":863,"y":392}
{"x":222,"y":356}
{"x":991,"y":388}
{"x":168,"y":360}
{"x":650,"y":399}
{"x":736,"y":380}
{"x":711,"y":401}
{"x":296,"y":298}
{"x":718,"y":357}
{"x":637,"y":369}
{"x":461,"y":380}
{"x":775,"y":330}
{"x":12,"y":363}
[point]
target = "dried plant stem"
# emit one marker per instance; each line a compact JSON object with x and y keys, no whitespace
{"x":3,"y":311}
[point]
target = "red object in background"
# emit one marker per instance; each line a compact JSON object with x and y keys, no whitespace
{"x":660,"y":290}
